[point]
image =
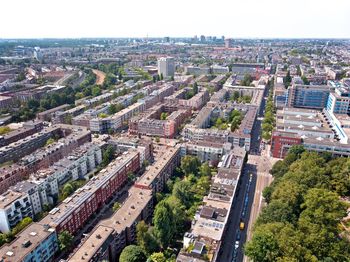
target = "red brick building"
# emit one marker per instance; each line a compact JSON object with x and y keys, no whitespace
{"x":75,"y":210}
{"x":282,"y":141}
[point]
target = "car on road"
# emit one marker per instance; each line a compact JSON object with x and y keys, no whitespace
{"x":236,"y":244}
{"x":238,"y":235}
{"x":241,"y":225}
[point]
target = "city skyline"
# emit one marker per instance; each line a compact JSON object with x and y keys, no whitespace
{"x":248,"y":19}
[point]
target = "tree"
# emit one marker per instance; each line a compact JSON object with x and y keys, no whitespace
{"x":109,"y":80}
{"x":297,"y":150}
{"x":190,"y":164}
{"x":182,"y":192}
{"x":264,"y":246}
{"x":163,"y":221}
{"x":4,"y":130}
{"x":65,"y":240}
{"x":179,"y":213}
{"x":112,"y":109}
{"x":116,"y":206}
{"x":301,"y":220}
{"x":163,"y":116}
{"x":21,"y":225}
{"x":33,"y":104}
{"x":96,"y":91}
{"x":287,"y":79}
{"x":49,"y":141}
{"x":305,"y":80}
{"x":324,"y":208}
{"x":247,"y":80}
{"x":205,"y":170}
{"x":145,"y":239}
{"x":108,"y":155}
{"x":67,"y":190}
{"x":157,"y":257}
{"x":132,"y":253}
{"x":195,"y":88}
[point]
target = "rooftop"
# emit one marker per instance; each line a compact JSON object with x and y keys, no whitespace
{"x":92,"y":244}
{"x":25,"y":242}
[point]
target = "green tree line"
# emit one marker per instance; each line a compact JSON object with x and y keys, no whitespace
{"x":173,"y":213}
{"x":301,"y":221}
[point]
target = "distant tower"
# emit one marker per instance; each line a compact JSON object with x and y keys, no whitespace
{"x":166,"y":39}
{"x":202,"y":38}
{"x":166,"y":66}
{"x":38,"y":55}
{"x":228,"y":43}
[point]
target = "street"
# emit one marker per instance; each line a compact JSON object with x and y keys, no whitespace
{"x":257,"y":167}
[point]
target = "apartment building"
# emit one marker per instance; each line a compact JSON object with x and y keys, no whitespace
{"x":166,"y":66}
{"x":120,"y":119}
{"x":196,"y":70}
{"x":26,"y":145}
{"x":29,"y":128}
{"x":37,"y":242}
{"x":76,"y":209}
{"x":156,"y":175}
{"x":150,"y":123}
{"x":6,"y":102}
{"x":144,"y":145}
{"x":206,"y":151}
{"x":74,"y":166}
{"x":196,"y":102}
{"x":110,"y":236}
{"x":48,"y":155}
{"x":47,"y":114}
{"x":97,"y":247}
{"x":281,"y":142}
{"x":43,"y":157}
{"x":10,"y":175}
{"x":210,"y":221}
{"x":65,"y":117}
{"x":14,"y":206}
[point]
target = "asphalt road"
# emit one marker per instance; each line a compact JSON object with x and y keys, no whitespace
{"x":228,"y":251}
{"x":258,"y":166}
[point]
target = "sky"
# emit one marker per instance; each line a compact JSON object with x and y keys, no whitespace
{"x":175,"y":18}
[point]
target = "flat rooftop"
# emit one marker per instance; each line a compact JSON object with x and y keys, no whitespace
{"x":161,"y":161}
{"x":58,"y":214}
{"x":92,"y":244}
{"x":130,"y":210}
{"x":8,"y":198}
{"x":34,"y":234}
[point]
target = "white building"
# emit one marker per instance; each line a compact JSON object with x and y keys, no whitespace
{"x":14,"y":206}
{"x":166,"y":66}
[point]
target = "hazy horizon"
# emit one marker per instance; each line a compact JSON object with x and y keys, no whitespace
{"x":249,"y":19}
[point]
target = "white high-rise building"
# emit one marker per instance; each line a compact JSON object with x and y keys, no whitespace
{"x":166,"y":66}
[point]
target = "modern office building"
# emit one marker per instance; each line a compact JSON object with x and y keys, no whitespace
{"x":166,"y":66}
{"x":320,"y":131}
{"x":308,"y":96}
{"x":339,"y":101}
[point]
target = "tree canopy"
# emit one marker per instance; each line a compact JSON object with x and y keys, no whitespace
{"x":132,"y":253}
{"x":302,"y":219}
{"x":65,"y":240}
